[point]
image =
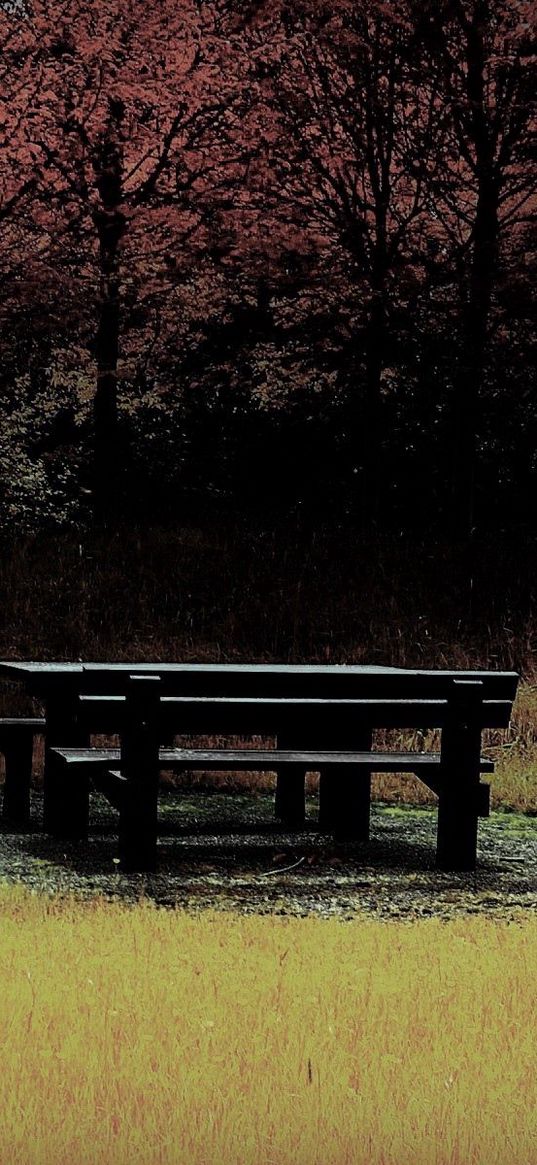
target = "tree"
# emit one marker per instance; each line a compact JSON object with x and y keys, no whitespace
{"x":17,"y":93}
{"x":484,"y":186}
{"x":129,"y":139}
{"x":355,"y":150}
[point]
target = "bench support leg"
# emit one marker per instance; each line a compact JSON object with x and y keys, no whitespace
{"x":328,"y":796}
{"x":457,"y":832}
{"x":68,"y":804}
{"x":345,"y":796}
{"x":291,"y":797}
{"x":138,"y":827}
{"x":350,"y":801}
{"x":138,"y":814}
{"x":285,"y":797}
{"x":459,"y":793}
{"x":62,"y":728}
{"x":18,"y":754}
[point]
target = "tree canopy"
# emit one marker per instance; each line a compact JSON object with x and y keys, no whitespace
{"x":279,"y":256}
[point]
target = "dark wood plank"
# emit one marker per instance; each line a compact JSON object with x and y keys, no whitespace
{"x":301,"y":681}
{"x":13,"y":724}
{"x":259,"y":679}
{"x":350,"y":804}
{"x":357,"y":739}
{"x":244,"y":715}
{"x":292,"y":805}
{"x":230,"y":758}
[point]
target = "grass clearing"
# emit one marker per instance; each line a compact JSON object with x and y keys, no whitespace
{"x":147,"y":1037}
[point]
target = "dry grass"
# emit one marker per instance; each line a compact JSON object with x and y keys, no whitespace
{"x":144,"y":1037}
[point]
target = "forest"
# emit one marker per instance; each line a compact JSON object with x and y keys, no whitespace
{"x":271,"y":265}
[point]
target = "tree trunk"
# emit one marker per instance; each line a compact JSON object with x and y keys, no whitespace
{"x":372,"y":436}
{"x":482,"y":274}
{"x":105,"y":410}
{"x":110,"y":223}
{"x":469,"y":381}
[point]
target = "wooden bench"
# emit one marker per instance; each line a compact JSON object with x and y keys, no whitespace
{"x":343,"y":805}
{"x":17,"y":736}
{"x":144,"y":719}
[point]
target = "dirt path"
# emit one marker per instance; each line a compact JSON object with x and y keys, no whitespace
{"x":224,"y":851}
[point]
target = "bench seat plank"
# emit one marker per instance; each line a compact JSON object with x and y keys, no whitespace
{"x":214,"y":759}
{"x":22,"y":723}
{"x":342,"y":774}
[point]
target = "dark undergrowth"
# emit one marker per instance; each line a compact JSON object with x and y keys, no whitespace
{"x":232,"y":592}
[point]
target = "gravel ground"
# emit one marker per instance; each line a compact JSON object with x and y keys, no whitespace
{"x":224,"y":851}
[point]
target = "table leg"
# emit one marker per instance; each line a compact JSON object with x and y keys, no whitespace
{"x":457,"y":831}
{"x":292,"y":807}
{"x":290,"y":798}
{"x":459,"y":793}
{"x":62,"y":729}
{"x":345,"y":791}
{"x":351,"y":801}
{"x":138,"y":815}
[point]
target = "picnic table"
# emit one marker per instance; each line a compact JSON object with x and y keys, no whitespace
{"x":322,"y":718}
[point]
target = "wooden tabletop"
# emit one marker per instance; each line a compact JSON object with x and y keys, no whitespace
{"x":19,"y":667}
{"x":50,"y":667}
{"x":48,"y":678}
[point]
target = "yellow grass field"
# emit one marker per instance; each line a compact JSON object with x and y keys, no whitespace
{"x":138,"y":1036}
